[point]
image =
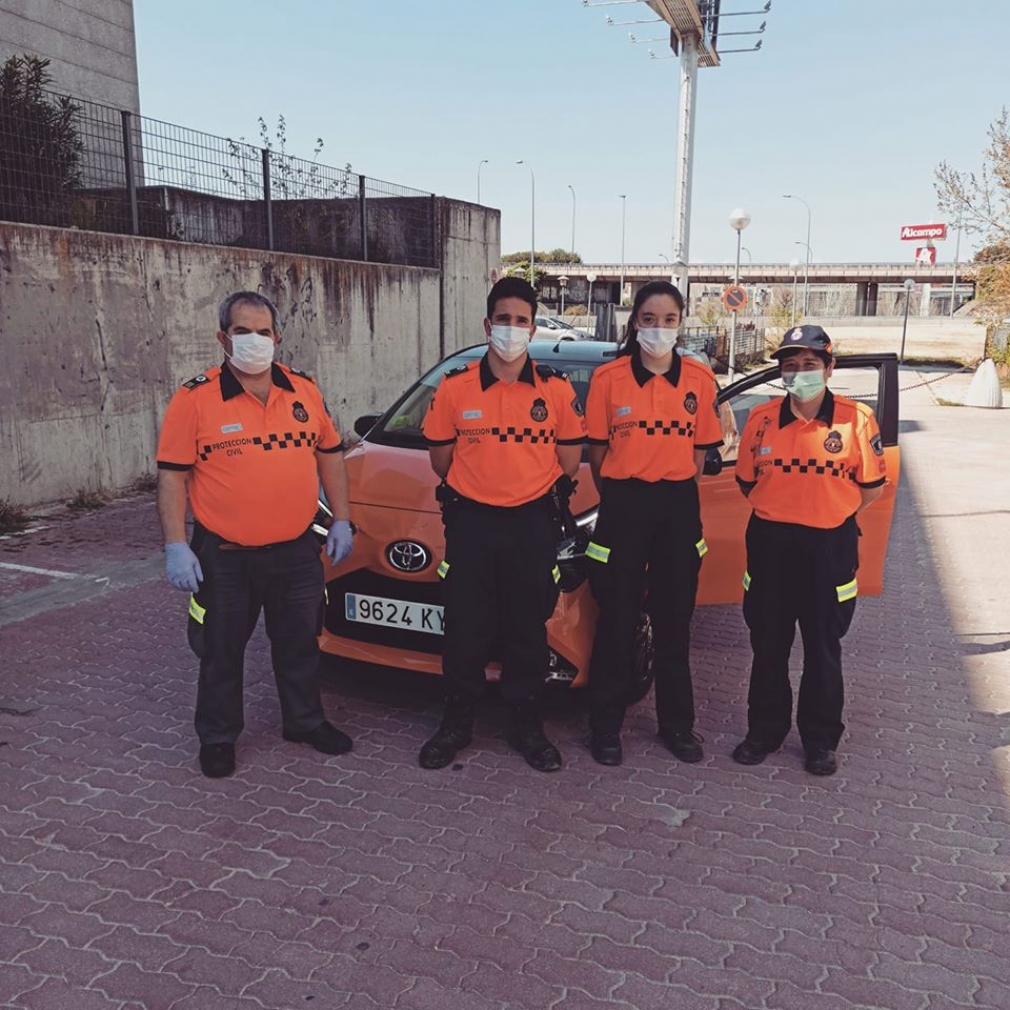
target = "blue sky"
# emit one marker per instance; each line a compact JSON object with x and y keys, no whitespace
{"x":850,"y":104}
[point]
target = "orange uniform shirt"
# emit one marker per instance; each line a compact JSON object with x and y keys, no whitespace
{"x":810,"y":472}
{"x":505,"y":434}
{"x":253,"y":477}
{"x":651,"y":424}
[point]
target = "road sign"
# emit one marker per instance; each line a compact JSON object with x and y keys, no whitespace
{"x":925,"y":255}
{"x":734,"y":298}
{"x":918,"y":232}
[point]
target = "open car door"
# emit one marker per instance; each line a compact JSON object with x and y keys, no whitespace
{"x":869,"y":378}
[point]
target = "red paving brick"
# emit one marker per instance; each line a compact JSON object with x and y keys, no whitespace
{"x":128,"y":882}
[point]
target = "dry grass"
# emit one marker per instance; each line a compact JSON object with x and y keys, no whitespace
{"x":13,"y":518}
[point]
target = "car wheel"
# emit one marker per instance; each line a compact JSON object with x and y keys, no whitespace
{"x":642,"y":675}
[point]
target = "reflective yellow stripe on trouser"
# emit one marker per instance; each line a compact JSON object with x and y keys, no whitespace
{"x":847,"y":592}
{"x":556,"y":574}
{"x":443,"y":569}
{"x":196,"y":611}
{"x":598,"y":553}
{"x":746,"y":581}
{"x":701,"y":547}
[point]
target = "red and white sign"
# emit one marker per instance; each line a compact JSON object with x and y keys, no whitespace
{"x":925,"y":256}
{"x":918,"y":232}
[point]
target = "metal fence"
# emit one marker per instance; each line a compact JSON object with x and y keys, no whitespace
{"x":72,"y":163}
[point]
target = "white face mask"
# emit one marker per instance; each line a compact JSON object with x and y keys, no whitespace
{"x":251,"y":353}
{"x":805,"y":386}
{"x":510,"y":342}
{"x":656,"y":340}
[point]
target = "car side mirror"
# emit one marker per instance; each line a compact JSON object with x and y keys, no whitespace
{"x":364,"y":424}
{"x":713,"y":463}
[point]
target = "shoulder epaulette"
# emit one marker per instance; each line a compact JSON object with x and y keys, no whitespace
{"x":299,"y":372}
{"x":549,"y":372}
{"x":196,"y":381}
{"x":458,"y":370}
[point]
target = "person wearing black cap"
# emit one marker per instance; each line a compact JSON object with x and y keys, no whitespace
{"x":808,"y":464}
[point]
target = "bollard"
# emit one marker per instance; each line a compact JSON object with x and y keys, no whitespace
{"x":985,"y":390}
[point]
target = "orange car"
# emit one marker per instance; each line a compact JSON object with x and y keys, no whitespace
{"x":384,"y":603}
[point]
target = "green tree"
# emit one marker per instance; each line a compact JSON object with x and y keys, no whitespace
{"x":40,"y":154}
{"x":980,"y":201}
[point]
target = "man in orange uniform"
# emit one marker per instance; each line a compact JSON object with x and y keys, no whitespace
{"x":501,"y":432}
{"x":808,"y":463}
{"x":249,"y":443}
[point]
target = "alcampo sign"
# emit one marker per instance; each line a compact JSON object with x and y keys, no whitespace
{"x":918,"y":232}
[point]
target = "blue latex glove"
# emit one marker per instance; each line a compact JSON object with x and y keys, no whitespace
{"x":339,"y":541}
{"x":182,"y":567}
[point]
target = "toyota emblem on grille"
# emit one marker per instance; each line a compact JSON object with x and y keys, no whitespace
{"x":408,"y":556}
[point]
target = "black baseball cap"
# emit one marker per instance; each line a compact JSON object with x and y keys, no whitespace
{"x":809,"y":336}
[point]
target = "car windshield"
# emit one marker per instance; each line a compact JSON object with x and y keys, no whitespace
{"x":401,"y":425}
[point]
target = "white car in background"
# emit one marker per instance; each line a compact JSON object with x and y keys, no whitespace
{"x":548,"y":326}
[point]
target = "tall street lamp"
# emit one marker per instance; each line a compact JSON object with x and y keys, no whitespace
{"x":794,"y":265}
{"x":908,"y":284}
{"x":624,"y":207}
{"x":483,"y":162}
{"x":806,"y":272}
{"x":738,"y":220}
{"x":533,"y":219}
{"x":750,"y":294}
{"x":572,"y":188}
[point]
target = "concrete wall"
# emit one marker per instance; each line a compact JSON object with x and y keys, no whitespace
{"x":97,"y":331}
{"x":470,"y":237}
{"x":91,"y":44}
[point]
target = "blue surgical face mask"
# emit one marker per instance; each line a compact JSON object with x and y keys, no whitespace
{"x":805,"y":386}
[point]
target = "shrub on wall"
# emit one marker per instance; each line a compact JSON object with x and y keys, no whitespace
{"x":40,"y":149}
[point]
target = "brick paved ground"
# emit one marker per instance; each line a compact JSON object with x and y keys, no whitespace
{"x":127,"y":881}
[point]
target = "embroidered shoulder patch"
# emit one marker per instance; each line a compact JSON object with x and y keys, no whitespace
{"x":197,"y":380}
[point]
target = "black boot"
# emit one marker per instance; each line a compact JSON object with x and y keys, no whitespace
{"x":526,"y":735}
{"x":454,"y":733}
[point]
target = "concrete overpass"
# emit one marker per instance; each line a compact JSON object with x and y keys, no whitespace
{"x":860,"y":283}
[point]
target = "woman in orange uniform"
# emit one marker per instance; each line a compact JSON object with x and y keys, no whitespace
{"x":651,"y":416}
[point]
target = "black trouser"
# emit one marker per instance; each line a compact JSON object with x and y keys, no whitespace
{"x":799,"y":574}
{"x":286,"y":582}
{"x":653,"y":534}
{"x":500,"y":589}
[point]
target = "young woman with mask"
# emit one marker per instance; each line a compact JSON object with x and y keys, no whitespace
{"x":808,"y":463}
{"x":651,"y":417}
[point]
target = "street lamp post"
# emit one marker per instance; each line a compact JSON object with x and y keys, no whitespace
{"x":794,"y":265}
{"x":750,"y":292}
{"x":809,"y":257}
{"x":908,"y":284}
{"x":589,"y":297}
{"x":572,"y":188}
{"x":624,"y":207}
{"x":667,"y":258}
{"x":806,"y":272}
{"x":738,"y":220}
{"x":483,"y":162}
{"x":533,"y":220}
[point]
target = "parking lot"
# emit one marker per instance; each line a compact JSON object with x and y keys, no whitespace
{"x":128,"y":881}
